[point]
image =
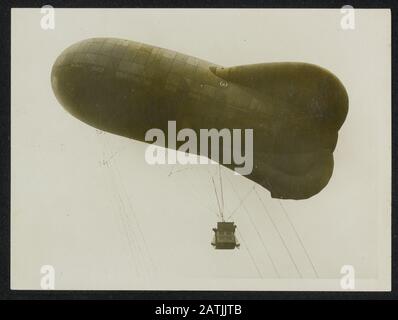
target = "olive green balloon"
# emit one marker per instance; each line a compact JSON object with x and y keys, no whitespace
{"x":295,"y":109}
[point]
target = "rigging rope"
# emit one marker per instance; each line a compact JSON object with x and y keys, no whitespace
{"x":191,"y":186}
{"x":133,"y":237}
{"x":250,"y":254}
{"x":145,"y":249}
{"x":299,"y":238}
{"x":218,"y":201}
{"x":120,"y":205}
{"x":280,"y":235}
{"x":222,"y":194}
{"x":242,"y":200}
{"x":257,"y":232}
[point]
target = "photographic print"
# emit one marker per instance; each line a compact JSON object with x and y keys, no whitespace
{"x":201,"y":149}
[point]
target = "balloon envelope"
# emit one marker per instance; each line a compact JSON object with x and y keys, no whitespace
{"x":295,"y":109}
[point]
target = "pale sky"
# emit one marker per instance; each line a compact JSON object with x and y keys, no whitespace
{"x":87,"y":203}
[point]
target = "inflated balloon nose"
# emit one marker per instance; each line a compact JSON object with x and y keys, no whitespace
{"x":295,"y":109}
